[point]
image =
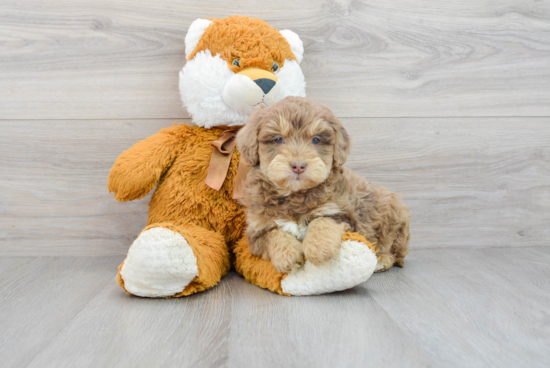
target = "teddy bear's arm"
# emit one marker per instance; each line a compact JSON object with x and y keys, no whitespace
{"x":137,"y":170}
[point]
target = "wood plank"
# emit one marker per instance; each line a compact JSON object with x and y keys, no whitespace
{"x":447,"y":307}
{"x":345,"y":329}
{"x":54,"y":196}
{"x":43,"y":299}
{"x":119,"y":330}
{"x":469,"y":182}
{"x":233,"y":325}
{"x":473,"y":307}
{"x":72,"y":59}
{"x":12,"y":268}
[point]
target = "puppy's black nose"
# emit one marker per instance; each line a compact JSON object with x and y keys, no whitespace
{"x":265,"y":84}
{"x":298,"y":167}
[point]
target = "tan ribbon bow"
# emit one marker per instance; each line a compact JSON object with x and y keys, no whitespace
{"x":220,"y":161}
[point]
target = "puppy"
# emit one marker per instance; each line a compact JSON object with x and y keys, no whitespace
{"x":301,"y":200}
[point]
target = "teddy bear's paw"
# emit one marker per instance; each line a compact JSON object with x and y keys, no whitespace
{"x":354,"y":264}
{"x":160,"y":263}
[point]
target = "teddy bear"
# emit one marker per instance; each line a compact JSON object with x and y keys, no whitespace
{"x":195,"y":229}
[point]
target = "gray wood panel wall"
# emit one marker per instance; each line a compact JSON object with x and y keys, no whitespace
{"x":448,"y":103}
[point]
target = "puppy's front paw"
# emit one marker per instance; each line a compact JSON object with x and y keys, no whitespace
{"x":320,"y":251}
{"x":323,"y":240}
{"x":285,"y":252}
{"x":285,"y":259}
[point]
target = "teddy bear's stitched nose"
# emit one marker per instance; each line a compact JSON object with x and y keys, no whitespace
{"x":265,"y":84}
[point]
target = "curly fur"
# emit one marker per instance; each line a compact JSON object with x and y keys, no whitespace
{"x":175,"y":160}
{"x":327,"y":198}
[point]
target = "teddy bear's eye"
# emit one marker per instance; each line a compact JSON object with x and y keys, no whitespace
{"x":275,"y":67}
{"x":236,"y":62}
{"x":315,"y":140}
{"x":279,"y":140}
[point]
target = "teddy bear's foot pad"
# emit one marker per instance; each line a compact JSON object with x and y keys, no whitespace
{"x":160,"y":263}
{"x":354,"y":264}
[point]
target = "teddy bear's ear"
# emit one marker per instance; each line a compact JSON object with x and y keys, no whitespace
{"x":296,"y":44}
{"x":194,"y":34}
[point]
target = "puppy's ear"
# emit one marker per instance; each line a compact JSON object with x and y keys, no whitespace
{"x":247,"y":139}
{"x":342,"y":145}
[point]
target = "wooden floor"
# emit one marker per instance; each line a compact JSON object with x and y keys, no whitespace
{"x":446,"y":308}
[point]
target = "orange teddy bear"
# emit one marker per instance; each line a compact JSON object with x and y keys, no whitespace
{"x":195,"y":228}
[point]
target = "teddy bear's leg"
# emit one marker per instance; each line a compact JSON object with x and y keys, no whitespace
{"x":257,"y":270}
{"x":168,"y":260}
{"x":354,"y":264}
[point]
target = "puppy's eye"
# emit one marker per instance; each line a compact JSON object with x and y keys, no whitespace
{"x":315,"y":140}
{"x":279,"y":140}
{"x":275,"y":67}
{"x":236,"y":62}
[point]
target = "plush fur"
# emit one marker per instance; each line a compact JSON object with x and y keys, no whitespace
{"x":159,"y":245}
{"x":326,"y":197}
{"x":214,"y":90}
{"x":176,"y":160}
{"x":356,"y":264}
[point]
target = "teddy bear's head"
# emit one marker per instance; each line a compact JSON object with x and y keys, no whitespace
{"x":236,"y":66}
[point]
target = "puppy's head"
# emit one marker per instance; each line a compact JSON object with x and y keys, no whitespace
{"x":295,"y":142}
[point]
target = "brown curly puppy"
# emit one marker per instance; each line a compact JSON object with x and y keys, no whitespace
{"x":300,"y":199}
